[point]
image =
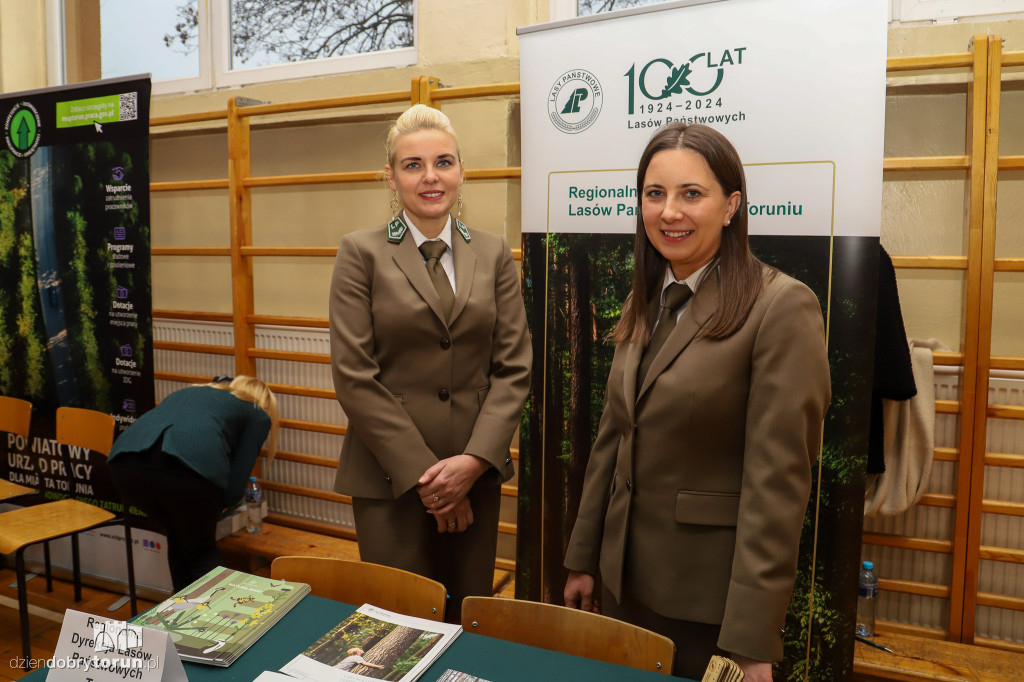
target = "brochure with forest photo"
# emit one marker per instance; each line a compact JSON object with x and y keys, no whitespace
{"x":374,"y":643}
{"x":216,"y":618}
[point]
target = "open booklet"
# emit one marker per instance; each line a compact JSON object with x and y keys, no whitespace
{"x":216,"y":618}
{"x":371,"y":643}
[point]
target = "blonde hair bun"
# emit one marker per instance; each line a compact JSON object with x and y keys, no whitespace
{"x":414,"y":119}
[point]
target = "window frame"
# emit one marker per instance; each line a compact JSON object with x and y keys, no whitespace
{"x":944,"y":11}
{"x":224,"y":76}
{"x":940,"y":11}
{"x":214,"y":58}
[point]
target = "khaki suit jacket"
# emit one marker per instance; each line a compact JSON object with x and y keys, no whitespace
{"x":698,"y":482}
{"x":415,"y":388}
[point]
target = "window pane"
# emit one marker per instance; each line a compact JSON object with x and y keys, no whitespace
{"x":597,"y":6}
{"x":137,"y":37}
{"x":268,"y":32}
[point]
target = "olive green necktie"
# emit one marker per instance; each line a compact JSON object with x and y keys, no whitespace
{"x":675,"y":296}
{"x":432,"y":252}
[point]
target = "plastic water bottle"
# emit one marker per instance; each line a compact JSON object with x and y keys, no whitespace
{"x":867,"y":598}
{"x":254,"y":506}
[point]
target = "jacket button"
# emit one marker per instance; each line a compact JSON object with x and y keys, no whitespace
{"x":508,"y":460}
{"x":387,"y":478}
{"x":446,"y":343}
{"x":443,"y":394}
{"x":629,"y":484}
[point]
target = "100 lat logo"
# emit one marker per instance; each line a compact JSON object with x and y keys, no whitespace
{"x":659,"y":80}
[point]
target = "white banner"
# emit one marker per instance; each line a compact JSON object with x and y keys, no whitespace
{"x":798,"y":86}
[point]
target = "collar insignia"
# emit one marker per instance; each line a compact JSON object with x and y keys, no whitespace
{"x":396,"y":230}
{"x":461,"y":227}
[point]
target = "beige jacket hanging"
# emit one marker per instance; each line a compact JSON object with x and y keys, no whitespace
{"x":909,"y":440}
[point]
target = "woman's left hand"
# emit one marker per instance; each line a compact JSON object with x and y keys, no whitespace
{"x":448,"y":482}
{"x":457,"y":520}
{"x":754,"y":671}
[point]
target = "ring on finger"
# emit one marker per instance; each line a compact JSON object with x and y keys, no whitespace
{"x":451,"y":524}
{"x":436,"y":499}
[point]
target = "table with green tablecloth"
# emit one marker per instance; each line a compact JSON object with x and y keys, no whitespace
{"x":485,"y":657}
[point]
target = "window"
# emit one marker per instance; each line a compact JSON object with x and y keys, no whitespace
{"x":566,"y":9}
{"x":899,"y":10}
{"x":950,"y":10}
{"x":201,"y":44}
{"x":584,"y":7}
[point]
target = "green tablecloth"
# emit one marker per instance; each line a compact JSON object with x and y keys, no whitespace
{"x":491,"y":659}
{"x":486,"y":657}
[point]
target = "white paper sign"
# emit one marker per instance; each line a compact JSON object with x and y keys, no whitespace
{"x":104,"y":650}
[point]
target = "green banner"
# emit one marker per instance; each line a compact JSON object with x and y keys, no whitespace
{"x":83,"y":112}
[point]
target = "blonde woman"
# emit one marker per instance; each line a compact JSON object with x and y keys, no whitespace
{"x":190,"y":457}
{"x":431,"y":361}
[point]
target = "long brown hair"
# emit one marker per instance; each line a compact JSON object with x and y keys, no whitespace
{"x":741,"y":275}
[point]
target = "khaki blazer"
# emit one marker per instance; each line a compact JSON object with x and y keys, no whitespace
{"x":697,"y":484}
{"x":416,"y":389}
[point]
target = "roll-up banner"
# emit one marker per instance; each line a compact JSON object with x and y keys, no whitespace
{"x":798,"y":86}
{"x":75,"y":295}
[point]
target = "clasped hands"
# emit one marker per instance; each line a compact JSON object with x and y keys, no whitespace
{"x":443,"y":489}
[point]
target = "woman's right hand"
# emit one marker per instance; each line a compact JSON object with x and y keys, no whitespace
{"x":579,"y":592}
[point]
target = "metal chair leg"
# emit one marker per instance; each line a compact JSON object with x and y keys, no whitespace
{"x":46,"y":561}
{"x":26,"y":641}
{"x":131,"y":561}
{"x":76,"y":567}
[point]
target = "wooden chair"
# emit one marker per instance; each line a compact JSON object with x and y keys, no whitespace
{"x":570,"y":631}
{"x":15,"y":417}
{"x":360,"y":582}
{"x":21,"y":528}
{"x":94,"y":430}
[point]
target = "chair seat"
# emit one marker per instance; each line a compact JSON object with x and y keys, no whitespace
{"x":22,"y":527}
{"x":9,"y":491}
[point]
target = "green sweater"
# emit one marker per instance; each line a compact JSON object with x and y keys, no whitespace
{"x":214,"y":433}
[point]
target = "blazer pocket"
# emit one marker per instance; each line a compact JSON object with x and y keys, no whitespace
{"x":707,"y":508}
{"x":400,"y":397}
{"x":481,"y":395}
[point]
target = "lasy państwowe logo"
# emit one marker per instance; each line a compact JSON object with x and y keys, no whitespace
{"x":575,"y":101}
{"x":21,"y":129}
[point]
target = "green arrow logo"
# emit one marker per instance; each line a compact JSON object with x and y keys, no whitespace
{"x":24,"y":131}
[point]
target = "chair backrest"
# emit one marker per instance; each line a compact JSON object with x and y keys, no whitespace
{"x":360,"y":582}
{"x":15,"y":415}
{"x":570,"y":631}
{"x":85,"y":428}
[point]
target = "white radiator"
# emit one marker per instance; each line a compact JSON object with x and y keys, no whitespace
{"x":291,"y":406}
{"x":1001,"y":483}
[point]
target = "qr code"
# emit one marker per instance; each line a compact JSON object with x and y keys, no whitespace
{"x":129,"y":106}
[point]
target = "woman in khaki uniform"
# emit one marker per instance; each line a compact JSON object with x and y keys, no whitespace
{"x":431,"y":362}
{"x":698,"y":482}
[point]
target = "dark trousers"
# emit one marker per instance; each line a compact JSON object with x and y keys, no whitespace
{"x":182,"y":503}
{"x":400,"y":533}
{"x":695,"y":643}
